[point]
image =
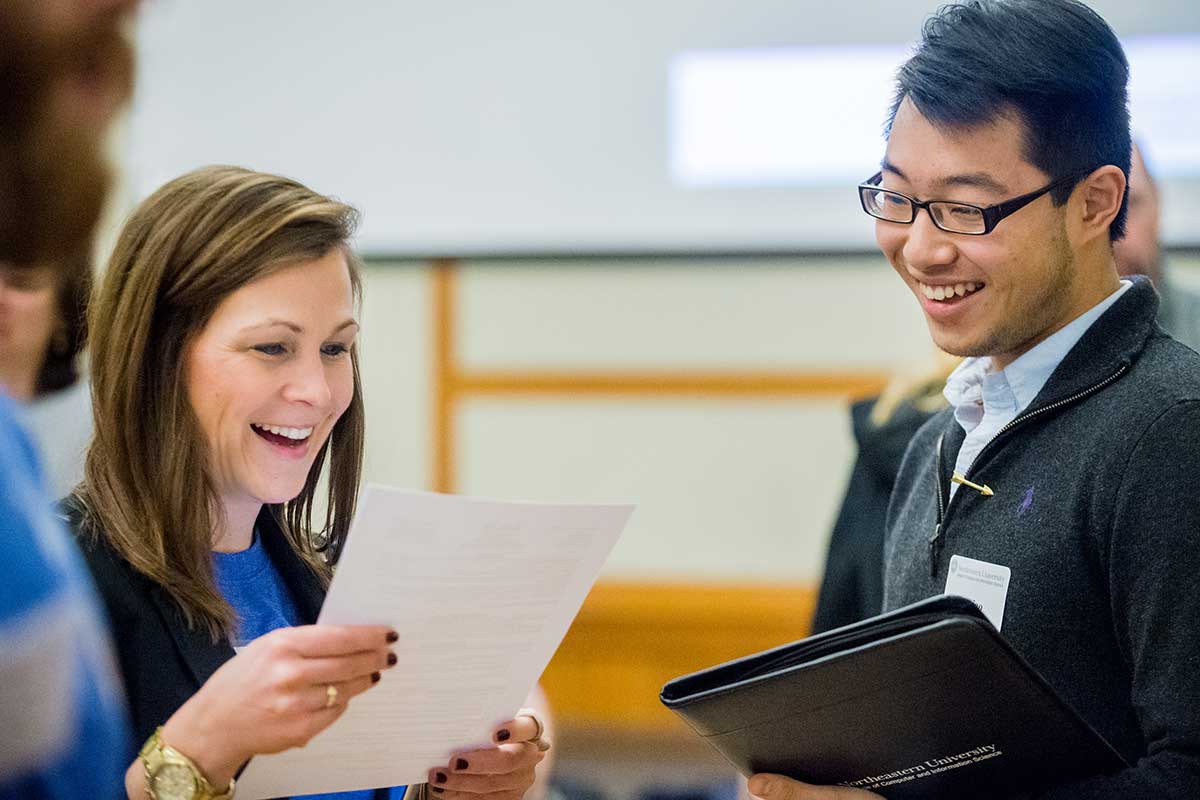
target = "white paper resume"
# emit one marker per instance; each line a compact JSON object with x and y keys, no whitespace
{"x":481,"y":593}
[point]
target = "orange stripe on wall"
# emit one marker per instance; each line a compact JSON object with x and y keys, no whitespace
{"x":670,"y":383}
{"x":444,"y":323}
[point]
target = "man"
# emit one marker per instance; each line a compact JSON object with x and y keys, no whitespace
{"x":852,"y":587}
{"x":1138,"y":253}
{"x":1071,"y":451}
{"x":64,"y":71}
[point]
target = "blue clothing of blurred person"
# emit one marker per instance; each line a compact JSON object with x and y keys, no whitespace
{"x":61,"y":712}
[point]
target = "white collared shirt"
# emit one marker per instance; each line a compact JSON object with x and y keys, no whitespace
{"x":985,"y":399}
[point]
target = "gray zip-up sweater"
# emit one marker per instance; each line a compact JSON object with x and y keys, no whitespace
{"x":1097,"y":513}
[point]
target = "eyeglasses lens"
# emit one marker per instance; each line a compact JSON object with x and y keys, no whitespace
{"x":887,"y":205}
{"x":957,"y":218}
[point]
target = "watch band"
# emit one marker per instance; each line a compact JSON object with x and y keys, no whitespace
{"x":156,"y":754}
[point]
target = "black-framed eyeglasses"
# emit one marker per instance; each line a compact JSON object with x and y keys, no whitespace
{"x":948,"y":215}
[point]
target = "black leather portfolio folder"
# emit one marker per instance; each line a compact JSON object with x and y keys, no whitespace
{"x":927,"y":701}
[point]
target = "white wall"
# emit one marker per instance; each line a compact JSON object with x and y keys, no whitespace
{"x":525,"y":125}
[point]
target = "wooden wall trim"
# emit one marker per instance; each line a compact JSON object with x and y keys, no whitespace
{"x":444,"y":324}
{"x":669,"y":382}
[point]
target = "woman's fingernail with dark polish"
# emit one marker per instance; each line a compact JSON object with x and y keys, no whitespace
{"x":391,"y":659}
{"x":461,"y":764}
{"x":375,"y":676}
{"x":502,"y":735}
{"x":439,"y":777}
{"x":393,"y":637}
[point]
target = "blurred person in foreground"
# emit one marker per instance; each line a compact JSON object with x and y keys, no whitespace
{"x":228,"y":402}
{"x":1070,"y":456}
{"x":42,"y":332}
{"x":1140,"y":253}
{"x":65,"y":70}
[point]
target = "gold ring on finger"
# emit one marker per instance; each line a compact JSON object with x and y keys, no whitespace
{"x":331,"y":695}
{"x":541,"y":726}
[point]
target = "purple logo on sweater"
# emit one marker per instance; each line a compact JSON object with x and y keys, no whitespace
{"x":1026,"y":502}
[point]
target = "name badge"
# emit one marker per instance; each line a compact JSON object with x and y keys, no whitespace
{"x":984,"y":584}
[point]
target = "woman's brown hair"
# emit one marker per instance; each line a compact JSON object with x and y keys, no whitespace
{"x":147,"y":490}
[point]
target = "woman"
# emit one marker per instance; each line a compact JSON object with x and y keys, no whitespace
{"x":225,"y":380}
{"x":41,"y":336}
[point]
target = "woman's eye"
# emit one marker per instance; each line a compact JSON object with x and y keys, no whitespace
{"x":273,"y":349}
{"x":334,"y":350}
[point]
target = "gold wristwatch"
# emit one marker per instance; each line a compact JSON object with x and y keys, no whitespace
{"x":170,"y":775}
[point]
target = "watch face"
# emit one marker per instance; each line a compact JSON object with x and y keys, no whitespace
{"x":173,"y":782}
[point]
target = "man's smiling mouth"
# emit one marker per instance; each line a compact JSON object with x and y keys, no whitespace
{"x":944,"y":292}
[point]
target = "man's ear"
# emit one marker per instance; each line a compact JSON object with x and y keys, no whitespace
{"x":1096,"y":202}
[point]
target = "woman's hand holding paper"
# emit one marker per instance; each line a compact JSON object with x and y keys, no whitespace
{"x":279,"y":692}
{"x":502,"y":772}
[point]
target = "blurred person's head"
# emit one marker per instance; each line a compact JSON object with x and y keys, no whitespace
{"x":1138,"y":252}
{"x":225,"y":376}
{"x":1022,"y":101}
{"x":42,"y":327}
{"x":65,"y":69}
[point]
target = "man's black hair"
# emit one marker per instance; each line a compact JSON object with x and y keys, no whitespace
{"x":1056,"y":63}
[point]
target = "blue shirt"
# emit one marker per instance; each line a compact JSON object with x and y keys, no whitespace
{"x":986,"y":399}
{"x":252,"y":585}
{"x":62,"y":715}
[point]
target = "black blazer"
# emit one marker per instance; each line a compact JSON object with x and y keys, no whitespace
{"x":162,"y":661}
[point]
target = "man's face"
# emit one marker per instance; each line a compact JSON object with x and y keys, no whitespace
{"x":1003,"y":292}
{"x":1137,"y":252}
{"x":65,"y":70}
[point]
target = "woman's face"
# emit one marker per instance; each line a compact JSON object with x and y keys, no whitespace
{"x":270,"y":374}
{"x":28,"y":318}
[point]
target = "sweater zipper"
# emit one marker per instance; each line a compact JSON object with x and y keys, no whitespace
{"x":935,"y":541}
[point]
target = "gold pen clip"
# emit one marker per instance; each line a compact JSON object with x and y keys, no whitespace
{"x":984,"y":490}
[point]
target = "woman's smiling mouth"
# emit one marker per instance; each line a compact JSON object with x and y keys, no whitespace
{"x":281,"y":435}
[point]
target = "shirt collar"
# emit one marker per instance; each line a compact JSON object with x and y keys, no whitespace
{"x":1025,"y":376}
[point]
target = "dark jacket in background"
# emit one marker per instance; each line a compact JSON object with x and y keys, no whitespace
{"x":852,"y":588}
{"x":1097,"y":513}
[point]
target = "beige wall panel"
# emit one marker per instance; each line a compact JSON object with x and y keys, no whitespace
{"x":726,"y":491}
{"x":1186,"y":269}
{"x":396,"y":368}
{"x":734,"y":314}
